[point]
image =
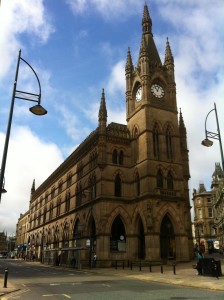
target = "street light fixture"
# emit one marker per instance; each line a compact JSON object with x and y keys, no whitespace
{"x":37,"y":110}
{"x":3,"y":190}
{"x":213,"y":135}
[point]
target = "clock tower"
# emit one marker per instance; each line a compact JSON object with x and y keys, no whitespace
{"x":159,"y":142}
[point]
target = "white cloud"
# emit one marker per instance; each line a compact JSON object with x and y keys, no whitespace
{"x":19,"y":17}
{"x":109,"y":10}
{"x":116,"y":80}
{"x":28,"y":158}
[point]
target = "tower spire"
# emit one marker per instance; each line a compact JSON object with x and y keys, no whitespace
{"x":148,"y":47}
{"x":33,"y":187}
{"x":102,"y":116}
{"x":129,"y":65}
{"x":146,"y":21}
{"x":168,"y":54}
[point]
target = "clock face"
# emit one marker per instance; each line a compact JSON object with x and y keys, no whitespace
{"x":157,"y":91}
{"x":138,"y":95}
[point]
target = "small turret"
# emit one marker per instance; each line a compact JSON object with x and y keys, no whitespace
{"x":146,"y":21}
{"x":102,"y":116}
{"x":183,"y":146}
{"x":148,"y":48}
{"x":33,"y":187}
{"x":169,"y":61}
{"x":129,"y":65}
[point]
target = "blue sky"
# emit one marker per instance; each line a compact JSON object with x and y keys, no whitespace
{"x":78,"y":47}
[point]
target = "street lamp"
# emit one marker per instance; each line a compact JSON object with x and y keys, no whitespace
{"x":213,"y":135}
{"x":37,"y":110}
{"x":3,"y":190}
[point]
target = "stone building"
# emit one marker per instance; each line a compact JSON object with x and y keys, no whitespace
{"x":22,"y":229}
{"x":123,"y":193}
{"x":204,"y":218}
{"x":3,"y":244}
{"x":208,"y":211}
{"x":218,"y":204}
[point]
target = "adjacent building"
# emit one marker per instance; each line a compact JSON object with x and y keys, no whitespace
{"x":3,"y":244}
{"x":209,"y":213}
{"x":123,"y":193}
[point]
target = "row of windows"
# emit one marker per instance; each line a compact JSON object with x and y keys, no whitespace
{"x":156,"y":143}
{"x":209,"y":213}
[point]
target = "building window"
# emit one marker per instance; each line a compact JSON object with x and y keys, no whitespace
{"x":44,"y":215}
{"x":77,"y":234}
{"x":117,"y":186}
{"x":210,"y":212}
{"x":58,"y":210}
{"x":93,"y":159}
{"x":114,"y":157}
{"x":156,"y":142}
{"x":209,"y":200}
{"x":51,"y":211}
{"x":79,"y":195}
{"x":69,"y":180}
{"x":80,"y":170}
{"x":136,"y":144}
{"x":169,"y":144}
{"x":159,"y":179}
{"x":121,"y":157}
{"x":199,"y":213}
{"x":46,"y":197}
{"x":60,"y":187}
{"x":52,"y":192}
{"x":67,"y":202}
{"x":92,"y":187}
{"x":169,"y":181}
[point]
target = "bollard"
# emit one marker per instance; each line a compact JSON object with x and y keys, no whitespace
{"x":174,"y":268}
{"x":123,"y":265}
{"x":161,"y":268}
{"x":140,"y":266}
{"x":131,"y":265}
{"x":6,"y":278}
{"x":115,"y":264}
{"x":150,"y":268}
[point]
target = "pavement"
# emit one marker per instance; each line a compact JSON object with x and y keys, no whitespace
{"x":182,"y":274}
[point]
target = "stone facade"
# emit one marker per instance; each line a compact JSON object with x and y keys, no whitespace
{"x":123,"y":193}
{"x":208,"y":210}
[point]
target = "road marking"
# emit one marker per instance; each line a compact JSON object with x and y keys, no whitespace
{"x":107,"y":285}
{"x":52,"y":295}
{"x":55,"y":284}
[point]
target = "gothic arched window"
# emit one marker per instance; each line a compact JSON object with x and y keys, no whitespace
{"x":121,"y":157}
{"x":159,"y":179}
{"x":156,"y":142}
{"x":67,"y":202}
{"x":117,"y":186}
{"x":58,"y":210}
{"x":114,"y":156}
{"x":169,"y":151}
{"x":170,"y":181}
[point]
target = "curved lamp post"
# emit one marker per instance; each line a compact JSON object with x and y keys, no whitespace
{"x":37,"y":110}
{"x":3,"y":190}
{"x":213,"y":135}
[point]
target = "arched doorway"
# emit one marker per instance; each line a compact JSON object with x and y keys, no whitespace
{"x":141,"y":240}
{"x":118,"y":236}
{"x":167,"y":239}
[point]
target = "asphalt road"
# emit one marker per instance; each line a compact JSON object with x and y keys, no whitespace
{"x":41,"y":282}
